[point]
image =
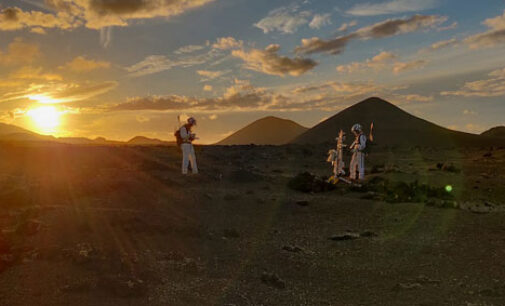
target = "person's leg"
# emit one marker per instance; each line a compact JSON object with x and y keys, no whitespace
{"x":185,"y":158}
{"x":361,"y":166}
{"x":353,"y":165}
{"x":192,"y":159}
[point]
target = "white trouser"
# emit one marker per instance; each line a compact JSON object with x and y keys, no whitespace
{"x":188,"y":155}
{"x":357,"y":165}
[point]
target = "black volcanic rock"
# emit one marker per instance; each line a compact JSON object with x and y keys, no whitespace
{"x":392,"y":126}
{"x":266,"y":131}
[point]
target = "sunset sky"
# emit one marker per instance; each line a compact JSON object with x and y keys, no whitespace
{"x":121,"y":68}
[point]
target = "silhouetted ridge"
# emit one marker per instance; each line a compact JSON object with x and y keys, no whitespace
{"x":266,"y":131}
{"x":498,"y":132}
{"x":392,"y":126}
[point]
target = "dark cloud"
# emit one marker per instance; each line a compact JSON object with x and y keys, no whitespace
{"x":269,"y":62}
{"x":383,"y":29}
{"x":95,"y":14}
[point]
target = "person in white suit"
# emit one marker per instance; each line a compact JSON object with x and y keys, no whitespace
{"x":357,"y":164}
{"x":188,"y":151}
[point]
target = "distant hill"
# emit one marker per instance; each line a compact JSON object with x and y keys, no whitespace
{"x":498,"y":132}
{"x":265,"y":131}
{"x":145,"y":141}
{"x":6,"y":129}
{"x":12,"y":133}
{"x":392,"y":126}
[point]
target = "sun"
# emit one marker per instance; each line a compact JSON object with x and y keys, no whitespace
{"x":46,"y":119}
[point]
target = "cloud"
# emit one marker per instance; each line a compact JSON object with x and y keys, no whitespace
{"x":416,"y":98}
{"x":494,"y":86}
{"x":284,"y":19}
{"x":208,"y":88}
{"x":142,"y":119}
{"x":225,"y":43}
{"x":38,"y":30}
{"x":441,"y":45}
{"x":94,"y":14}
{"x":81,"y":64}
{"x":188,"y":49}
{"x":392,"y":7}
{"x":467,"y":112}
{"x":14,"y":18}
{"x":340,"y":87}
{"x":452,"y":26}
{"x":387,"y":28}
{"x":102,"y":13}
{"x":494,"y":36}
{"x":34,"y":73}
{"x":345,"y":26}
{"x":496,"y":23}
{"x":240,"y":96}
{"x":378,"y":62}
{"x":486,"y":40}
{"x":382,"y":61}
{"x":105,"y":36}
{"x":333,"y":46}
{"x":213,"y":117}
{"x":149,"y":65}
{"x":269,"y":62}
{"x":60,"y":92}
{"x":211,"y":75}
{"x":412,"y":65}
{"x":158,"y":63}
{"x":393,"y":27}
{"x":19,"y":52}
{"x":320,"y":20}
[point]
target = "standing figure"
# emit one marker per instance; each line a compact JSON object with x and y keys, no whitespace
{"x":336,"y":158}
{"x":358,"y":156}
{"x":188,"y":151}
{"x":338,"y":166}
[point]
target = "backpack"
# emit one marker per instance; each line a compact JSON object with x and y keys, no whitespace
{"x":178,"y":138}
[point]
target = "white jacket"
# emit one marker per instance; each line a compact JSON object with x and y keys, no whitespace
{"x":185,"y":135}
{"x":359,"y":144}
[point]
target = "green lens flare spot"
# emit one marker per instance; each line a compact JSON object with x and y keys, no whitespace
{"x":448,"y":188}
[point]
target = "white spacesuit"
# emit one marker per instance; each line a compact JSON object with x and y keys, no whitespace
{"x":338,"y":166}
{"x":188,"y":151}
{"x":358,"y":156}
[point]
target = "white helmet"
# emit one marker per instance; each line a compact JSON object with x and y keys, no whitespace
{"x":192,"y":121}
{"x":356,"y":128}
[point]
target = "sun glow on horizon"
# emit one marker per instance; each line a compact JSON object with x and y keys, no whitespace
{"x":46,"y":119}
{"x":42,"y":98}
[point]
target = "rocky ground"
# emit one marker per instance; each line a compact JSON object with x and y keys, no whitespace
{"x":120,"y":226}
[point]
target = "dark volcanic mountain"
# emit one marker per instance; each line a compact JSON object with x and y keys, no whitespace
{"x":498,"y":132}
{"x":392,"y":126}
{"x":265,"y":131}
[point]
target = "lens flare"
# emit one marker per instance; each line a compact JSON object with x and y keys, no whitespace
{"x":448,"y":188}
